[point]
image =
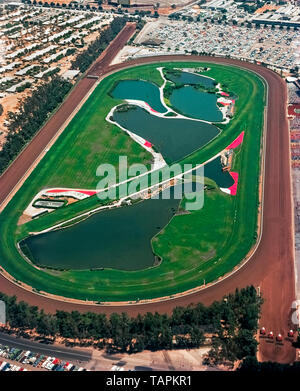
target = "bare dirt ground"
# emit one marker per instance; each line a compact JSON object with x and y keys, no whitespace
{"x":272,"y":266}
{"x":166,"y":360}
{"x":9,"y":103}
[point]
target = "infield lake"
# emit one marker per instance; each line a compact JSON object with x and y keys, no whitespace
{"x":119,"y":238}
{"x":175,"y":138}
{"x":194,"y":103}
{"x":182,"y":77}
{"x":139,"y":90}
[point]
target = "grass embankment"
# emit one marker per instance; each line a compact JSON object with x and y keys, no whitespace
{"x":204,"y":244}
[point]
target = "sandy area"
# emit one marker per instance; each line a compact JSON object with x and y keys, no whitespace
{"x":165,"y":360}
{"x":9,"y":103}
{"x":266,"y":7}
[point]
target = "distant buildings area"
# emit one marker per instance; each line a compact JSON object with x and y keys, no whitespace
{"x":37,"y":42}
{"x":226,"y":28}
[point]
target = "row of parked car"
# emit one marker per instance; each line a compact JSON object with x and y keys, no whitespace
{"x":37,"y":360}
{"x":6,"y":366}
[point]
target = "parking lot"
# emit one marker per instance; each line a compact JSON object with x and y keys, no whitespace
{"x":273,"y":46}
{"x":14,"y":359}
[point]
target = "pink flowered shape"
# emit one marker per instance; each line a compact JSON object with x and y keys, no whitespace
{"x":154,"y":111}
{"x":237,"y":141}
{"x":87,"y":192}
{"x":233,"y":188}
{"x":148,"y":144}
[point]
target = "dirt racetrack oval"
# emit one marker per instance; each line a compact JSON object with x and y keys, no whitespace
{"x":271,"y":268}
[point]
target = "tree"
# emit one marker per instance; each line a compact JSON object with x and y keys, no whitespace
{"x":249,"y":364}
{"x":233,"y":323}
{"x":47,"y":325}
{"x":120,"y":332}
{"x":85,"y":58}
{"x":196,"y":337}
{"x":236,"y":321}
{"x":246,"y":344}
{"x":30,"y":117}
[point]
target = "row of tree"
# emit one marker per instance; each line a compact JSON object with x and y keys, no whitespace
{"x":34,"y":110}
{"x":88,"y":56}
{"x":231,"y":322}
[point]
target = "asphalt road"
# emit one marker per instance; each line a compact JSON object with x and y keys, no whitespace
{"x":67,"y":354}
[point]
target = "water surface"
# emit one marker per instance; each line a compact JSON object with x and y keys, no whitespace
{"x":190,"y":78}
{"x":196,"y":104}
{"x":139,"y":90}
{"x":118,"y":238}
{"x":213,"y":170}
{"x":174,"y":138}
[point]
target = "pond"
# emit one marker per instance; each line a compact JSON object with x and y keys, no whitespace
{"x":174,"y":138}
{"x":119,"y":238}
{"x":181,"y":77}
{"x":139,"y":90}
{"x":194,"y":103}
{"x":213,"y":170}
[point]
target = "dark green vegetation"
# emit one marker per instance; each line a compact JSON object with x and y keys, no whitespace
{"x":175,"y":138}
{"x":23,"y":87}
{"x":139,"y":90}
{"x":251,"y":365}
{"x":32,"y":114}
{"x":232,"y":322}
{"x":213,"y":250}
{"x":88,"y":56}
